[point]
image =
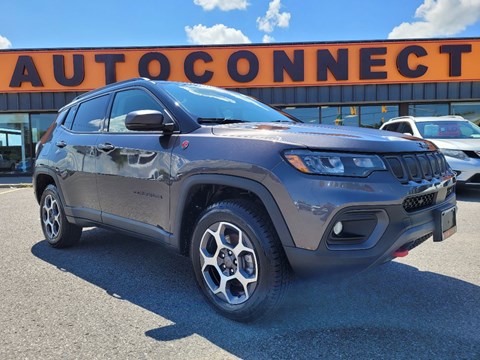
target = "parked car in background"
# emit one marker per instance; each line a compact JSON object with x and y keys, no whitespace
{"x":24,"y":165}
{"x":457,"y":138}
{"x":6,"y":163}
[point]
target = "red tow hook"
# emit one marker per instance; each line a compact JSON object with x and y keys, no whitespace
{"x":400,"y":253}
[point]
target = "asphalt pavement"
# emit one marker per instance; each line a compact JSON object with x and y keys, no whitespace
{"x":114,"y":296}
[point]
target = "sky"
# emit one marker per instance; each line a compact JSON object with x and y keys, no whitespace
{"x":121,"y":23}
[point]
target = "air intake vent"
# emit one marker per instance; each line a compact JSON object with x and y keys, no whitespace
{"x":418,"y":202}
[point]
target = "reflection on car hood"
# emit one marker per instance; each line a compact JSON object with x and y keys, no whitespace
{"x":460,"y":144}
{"x":326,"y":137}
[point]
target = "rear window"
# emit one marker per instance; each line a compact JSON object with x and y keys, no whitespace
{"x":392,"y":127}
{"x":90,"y":114}
{"x":69,"y":119}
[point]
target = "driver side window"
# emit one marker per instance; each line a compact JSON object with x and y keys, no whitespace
{"x":128,"y":101}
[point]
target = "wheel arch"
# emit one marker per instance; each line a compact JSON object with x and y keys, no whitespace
{"x":41,"y":179}
{"x":199,"y":191}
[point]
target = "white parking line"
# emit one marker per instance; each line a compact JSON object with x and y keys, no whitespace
{"x":10,"y":190}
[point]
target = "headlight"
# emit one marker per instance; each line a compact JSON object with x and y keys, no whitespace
{"x":457,"y":154}
{"x":322,"y":163}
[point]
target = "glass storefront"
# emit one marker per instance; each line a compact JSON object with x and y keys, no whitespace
{"x":305,"y":114}
{"x":340,"y":115}
{"x":428,"y":109}
{"x":374,"y":116}
{"x":470,"y":111}
{"x":19,"y":134}
{"x":365,"y":116}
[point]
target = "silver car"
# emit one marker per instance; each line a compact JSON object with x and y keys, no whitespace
{"x":457,"y":138}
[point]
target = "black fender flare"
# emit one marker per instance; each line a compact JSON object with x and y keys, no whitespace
{"x":238,"y":182}
{"x":46,"y":171}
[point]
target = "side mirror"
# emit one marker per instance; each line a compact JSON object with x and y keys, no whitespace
{"x":146,"y":120}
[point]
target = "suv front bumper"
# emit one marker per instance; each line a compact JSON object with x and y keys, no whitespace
{"x":384,"y":216}
{"x":401,"y":232}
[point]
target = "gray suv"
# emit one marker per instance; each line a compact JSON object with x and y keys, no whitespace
{"x":251,"y":194}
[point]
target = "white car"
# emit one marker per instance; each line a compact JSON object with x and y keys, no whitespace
{"x":457,"y":138}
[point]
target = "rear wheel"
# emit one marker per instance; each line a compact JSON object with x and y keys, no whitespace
{"x":57,"y":230}
{"x":238,"y":260}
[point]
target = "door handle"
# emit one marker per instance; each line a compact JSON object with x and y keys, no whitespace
{"x":105,"y":147}
{"x":61,"y":144}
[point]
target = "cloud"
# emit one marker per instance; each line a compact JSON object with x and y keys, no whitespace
{"x":217,"y":34}
{"x":273,"y":18}
{"x":439,"y":18}
{"x":224,"y":5}
{"x":5,"y":43}
{"x":267,"y":39}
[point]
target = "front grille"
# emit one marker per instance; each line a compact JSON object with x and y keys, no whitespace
{"x":417,"y":167}
{"x":418,"y":202}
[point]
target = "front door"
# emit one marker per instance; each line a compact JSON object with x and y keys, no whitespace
{"x":133,"y":169}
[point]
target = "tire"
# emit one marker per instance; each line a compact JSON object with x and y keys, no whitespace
{"x":57,"y":230}
{"x":242,"y":280}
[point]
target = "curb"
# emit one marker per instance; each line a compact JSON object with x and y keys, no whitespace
{"x":13,"y":186}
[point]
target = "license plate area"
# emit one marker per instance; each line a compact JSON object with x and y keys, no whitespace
{"x":445,"y":224}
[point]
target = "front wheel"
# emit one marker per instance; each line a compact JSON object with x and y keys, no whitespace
{"x":238,"y":260}
{"x":57,"y":230}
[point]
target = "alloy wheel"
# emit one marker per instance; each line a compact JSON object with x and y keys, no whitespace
{"x":229,"y":264}
{"x":51,"y":216}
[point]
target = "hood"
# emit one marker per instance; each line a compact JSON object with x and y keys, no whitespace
{"x":326,"y":137}
{"x":458,"y":144}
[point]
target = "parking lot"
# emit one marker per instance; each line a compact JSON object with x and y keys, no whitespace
{"x":114,"y":296}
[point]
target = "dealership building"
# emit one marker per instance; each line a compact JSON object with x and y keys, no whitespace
{"x":336,"y":83}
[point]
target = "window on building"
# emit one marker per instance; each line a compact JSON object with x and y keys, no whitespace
{"x":305,"y":114}
{"x":90,"y":114}
{"x":15,"y":143}
{"x":340,"y":115}
{"x":374,"y":116}
{"x":128,"y":101}
{"x":470,"y":111}
{"x":428,"y":109}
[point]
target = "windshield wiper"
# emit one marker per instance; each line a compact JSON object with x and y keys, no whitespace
{"x":219,"y":121}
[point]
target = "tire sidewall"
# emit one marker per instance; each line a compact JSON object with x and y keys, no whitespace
{"x":249,"y":225}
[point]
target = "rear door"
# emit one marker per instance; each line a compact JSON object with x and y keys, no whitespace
{"x":134,"y":168}
{"x":75,"y":156}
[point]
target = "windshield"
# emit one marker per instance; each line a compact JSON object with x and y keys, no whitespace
{"x":448,"y":129}
{"x":215,"y":105}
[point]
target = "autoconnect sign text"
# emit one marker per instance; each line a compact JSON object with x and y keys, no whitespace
{"x":246,"y":65}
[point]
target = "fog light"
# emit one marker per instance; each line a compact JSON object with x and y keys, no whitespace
{"x":337,"y":229}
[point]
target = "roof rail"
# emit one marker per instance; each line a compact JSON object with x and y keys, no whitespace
{"x":453,"y":117}
{"x":402,"y":117}
{"x":112,"y":85}
{"x":440,"y":117}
